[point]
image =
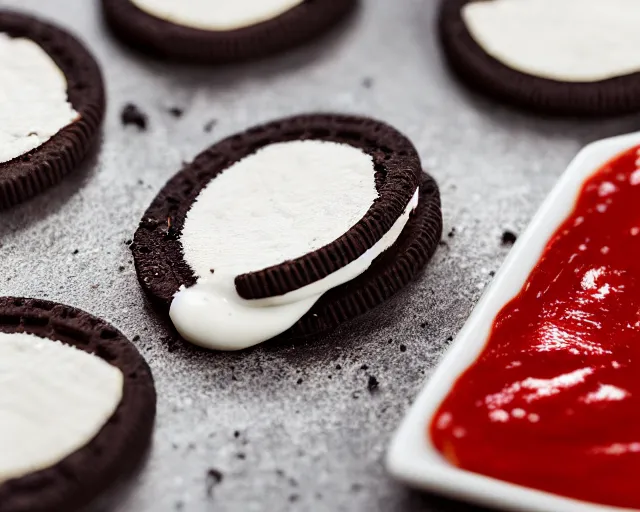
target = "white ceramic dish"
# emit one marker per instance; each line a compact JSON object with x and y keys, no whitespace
{"x":412,"y":458}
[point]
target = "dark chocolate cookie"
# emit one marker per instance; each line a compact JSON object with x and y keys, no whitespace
{"x":172,"y":41}
{"x":486,"y":74}
{"x":44,"y":166}
{"x":158,"y":252}
{"x":120,"y":445}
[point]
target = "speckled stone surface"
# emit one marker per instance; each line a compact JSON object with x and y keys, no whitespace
{"x":287,"y":427}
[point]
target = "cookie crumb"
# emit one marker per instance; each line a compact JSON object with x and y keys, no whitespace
{"x":176,"y":111}
{"x":75,"y":252}
{"x":509,"y":238}
{"x":208,"y":128}
{"x":403,"y":348}
{"x":135,"y":338}
{"x":364,"y":367}
{"x":133,"y":115}
{"x":214,"y":477}
{"x":452,"y":233}
{"x":373,"y":384}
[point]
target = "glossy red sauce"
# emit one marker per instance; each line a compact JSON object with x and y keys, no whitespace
{"x":553,"y":401}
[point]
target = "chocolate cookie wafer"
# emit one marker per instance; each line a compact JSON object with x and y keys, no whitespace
{"x":297,"y":225}
{"x":77,"y":406}
{"x":52,"y":105}
{"x":575,"y":57}
{"x":220,"y":31}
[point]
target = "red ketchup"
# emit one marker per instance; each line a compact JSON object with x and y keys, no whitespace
{"x":553,"y":401}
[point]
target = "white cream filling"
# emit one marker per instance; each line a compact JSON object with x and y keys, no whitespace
{"x":216,"y":14}
{"x":33,"y":97}
{"x":212,"y":315}
{"x":54,"y":400}
{"x":565,"y":40}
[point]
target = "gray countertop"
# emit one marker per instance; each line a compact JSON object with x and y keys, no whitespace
{"x":289,"y":427}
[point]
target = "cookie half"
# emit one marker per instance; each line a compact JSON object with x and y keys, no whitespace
{"x":297,"y":225}
{"x":575,"y":57}
{"x":220,"y":31}
{"x":52,"y":108}
{"x":77,"y":406}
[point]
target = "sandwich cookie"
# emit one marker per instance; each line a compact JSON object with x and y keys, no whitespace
{"x":219,"y":31}
{"x":76,"y":410}
{"x":574,"y":57}
{"x":52,"y":100}
{"x":294,"y":226}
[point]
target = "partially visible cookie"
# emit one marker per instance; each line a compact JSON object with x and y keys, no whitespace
{"x":574,"y":57}
{"x":221,"y":31}
{"x":52,"y":105}
{"x":297,"y":225}
{"x":76,"y":410}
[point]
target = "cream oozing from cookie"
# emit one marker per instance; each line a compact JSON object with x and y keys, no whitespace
{"x":285,"y":201}
{"x":33,"y":97}
{"x":54,"y":401}
{"x":564,"y":40}
{"x":216,"y":14}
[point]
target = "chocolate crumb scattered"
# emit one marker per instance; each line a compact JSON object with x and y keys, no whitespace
{"x":121,"y":268}
{"x":450,"y":339}
{"x":208,"y":128}
{"x":403,"y":348}
{"x":373,"y":384}
{"x":133,"y":115}
{"x":299,"y":381}
{"x":176,"y":111}
{"x":236,"y":434}
{"x":492,"y":273}
{"x":509,"y":238}
{"x":128,"y":242}
{"x":136,"y":338}
{"x":75,"y":252}
{"x":214,"y":477}
{"x":452,"y":233}
{"x":338,"y":367}
{"x":364,"y":367}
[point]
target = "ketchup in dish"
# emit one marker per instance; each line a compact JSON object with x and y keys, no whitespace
{"x":553,"y":401}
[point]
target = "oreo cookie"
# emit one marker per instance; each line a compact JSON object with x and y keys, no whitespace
{"x":547,"y":56}
{"x":53,"y":105}
{"x":293,"y":227}
{"x":221,"y":32}
{"x":77,"y":407}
